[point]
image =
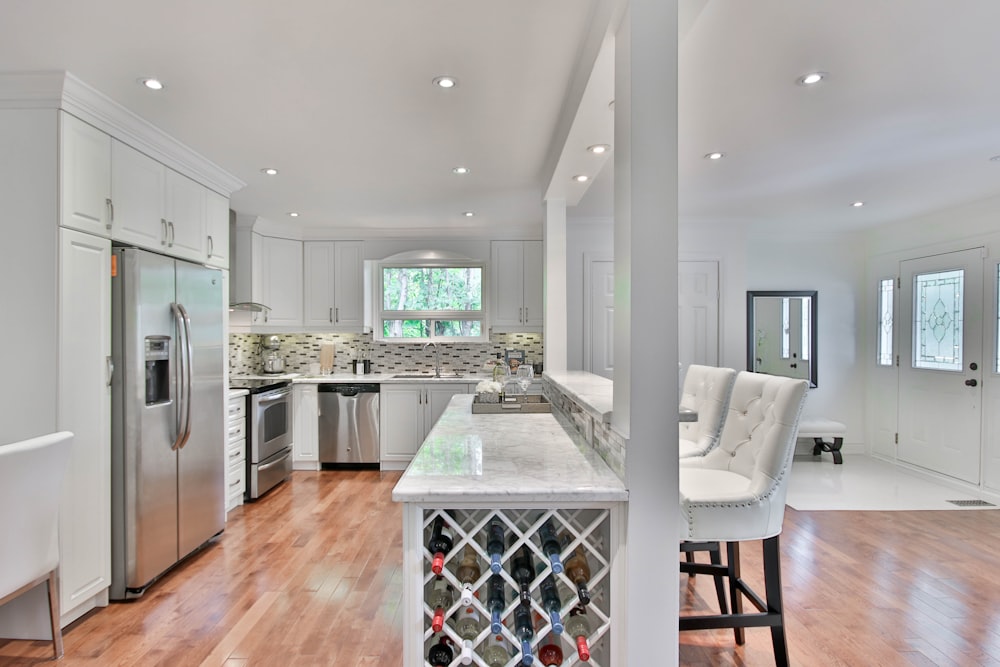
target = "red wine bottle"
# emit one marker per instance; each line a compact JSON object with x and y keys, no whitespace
{"x":495,"y":602}
{"x":578,"y":627}
{"x":578,"y":571}
{"x":551,"y":602}
{"x":441,"y":654}
{"x":523,"y":571}
{"x":550,"y":545}
{"x":441,"y":598}
{"x":494,"y":543}
{"x":550,"y":654}
{"x":440,"y":543}
{"x":468,"y":572}
{"x":524,"y":631}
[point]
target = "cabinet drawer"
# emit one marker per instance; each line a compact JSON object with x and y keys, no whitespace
{"x":236,"y":430}
{"x":236,"y":452}
{"x":237,"y":408}
{"x":236,"y":479}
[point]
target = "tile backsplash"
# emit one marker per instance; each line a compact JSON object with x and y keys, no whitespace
{"x":299,"y":350}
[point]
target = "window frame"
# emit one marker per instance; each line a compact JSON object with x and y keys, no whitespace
{"x":432,"y":316}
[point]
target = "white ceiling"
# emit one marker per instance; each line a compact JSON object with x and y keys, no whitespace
{"x":337,"y":95}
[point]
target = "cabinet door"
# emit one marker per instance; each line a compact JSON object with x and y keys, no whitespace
{"x":186,"y":201}
{"x":281,"y":281}
{"x":401,"y":422}
{"x":84,"y":400}
{"x":84,"y":177}
{"x":305,"y":441}
{"x":438,"y":395}
{"x":507,"y":271}
{"x":320,"y":267}
{"x":137,"y":187}
{"x":216,"y":230}
{"x":349,"y":312}
{"x":533,"y":263}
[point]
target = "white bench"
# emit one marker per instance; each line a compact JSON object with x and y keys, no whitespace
{"x":826,"y":434}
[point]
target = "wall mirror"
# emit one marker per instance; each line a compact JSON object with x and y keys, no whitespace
{"x":781,"y":333}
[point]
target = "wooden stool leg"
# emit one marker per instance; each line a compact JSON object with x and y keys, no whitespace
{"x":720,"y":588}
{"x":54,"y":615}
{"x":772,"y":590}
{"x":735,"y":597}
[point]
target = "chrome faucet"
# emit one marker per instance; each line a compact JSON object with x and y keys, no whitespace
{"x":437,"y":359}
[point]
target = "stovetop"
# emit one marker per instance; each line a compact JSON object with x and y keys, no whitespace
{"x":258,"y":386}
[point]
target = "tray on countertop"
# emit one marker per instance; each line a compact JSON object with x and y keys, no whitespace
{"x":530,"y":404}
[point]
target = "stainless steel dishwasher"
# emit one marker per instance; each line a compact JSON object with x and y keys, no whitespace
{"x":348,"y":425}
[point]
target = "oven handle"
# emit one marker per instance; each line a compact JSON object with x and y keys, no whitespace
{"x":184,"y":386}
{"x":281,"y":459}
{"x":273,"y":395}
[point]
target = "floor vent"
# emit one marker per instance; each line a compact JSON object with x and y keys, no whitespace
{"x":971,"y":503}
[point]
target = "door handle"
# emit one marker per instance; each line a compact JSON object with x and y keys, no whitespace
{"x":971,"y":383}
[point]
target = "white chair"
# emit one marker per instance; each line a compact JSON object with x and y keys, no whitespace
{"x":706,"y":391}
{"x":737,"y":492}
{"x":31,"y":477}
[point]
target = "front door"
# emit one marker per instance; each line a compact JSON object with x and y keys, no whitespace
{"x":940,"y":363}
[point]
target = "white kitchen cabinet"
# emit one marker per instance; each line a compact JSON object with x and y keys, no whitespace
{"x":280,"y":283}
{"x":305,"y":412}
{"x":185,"y":216}
{"x":84,"y":407}
{"x":216,"y":230}
{"x":84,"y":177}
{"x":407,"y":412}
{"x":334,"y":298}
{"x":236,"y":450}
{"x":137,"y":188}
{"x":516,"y":279}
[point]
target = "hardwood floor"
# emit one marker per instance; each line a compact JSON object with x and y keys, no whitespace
{"x":311,"y":576}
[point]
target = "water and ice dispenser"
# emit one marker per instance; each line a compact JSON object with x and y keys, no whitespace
{"x":157,"y":369}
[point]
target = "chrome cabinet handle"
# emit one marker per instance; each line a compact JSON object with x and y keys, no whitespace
{"x":211,"y":246}
{"x":170,"y":226}
{"x":331,"y":314}
{"x":525,"y":314}
{"x":163,"y":231}
{"x":111,"y":212}
{"x":336,"y":315}
{"x":110,"y":369}
{"x":520,"y":314}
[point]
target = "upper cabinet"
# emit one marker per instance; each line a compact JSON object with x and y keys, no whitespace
{"x":185,"y":216}
{"x":217,"y":230}
{"x":516,"y":268}
{"x":280,"y":282}
{"x":333,"y":285}
{"x":84,"y":177}
{"x":137,"y":185}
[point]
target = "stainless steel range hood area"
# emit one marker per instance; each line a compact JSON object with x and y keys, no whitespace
{"x":240,"y":267}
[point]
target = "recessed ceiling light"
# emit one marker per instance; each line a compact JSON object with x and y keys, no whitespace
{"x":460,"y":170}
{"x":858,"y":204}
{"x":995,"y":158}
{"x":293,"y":214}
{"x":151,"y":83}
{"x":582,"y":178}
{"x":445,"y":82}
{"x":598,"y":149}
{"x":811,"y":79}
{"x":270,"y":171}
{"x":714,"y":156}
{"x":469,"y":214}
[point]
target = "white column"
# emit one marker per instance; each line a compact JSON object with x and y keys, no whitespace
{"x":554,"y":253}
{"x":645,"y":382}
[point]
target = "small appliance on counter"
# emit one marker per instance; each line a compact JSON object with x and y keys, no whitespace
{"x":273,"y":363}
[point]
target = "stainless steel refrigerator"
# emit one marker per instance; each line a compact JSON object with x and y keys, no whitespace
{"x":168,"y":417}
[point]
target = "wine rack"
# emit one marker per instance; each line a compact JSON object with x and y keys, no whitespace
{"x":587,"y":527}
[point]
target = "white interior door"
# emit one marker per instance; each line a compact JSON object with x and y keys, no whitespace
{"x":940,"y":364}
{"x":698,"y":313}
{"x":598,"y":340}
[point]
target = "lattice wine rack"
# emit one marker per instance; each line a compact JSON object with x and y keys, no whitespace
{"x":586,"y":528}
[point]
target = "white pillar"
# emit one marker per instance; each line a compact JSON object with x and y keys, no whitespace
{"x":645,"y":382}
{"x":554,"y":253}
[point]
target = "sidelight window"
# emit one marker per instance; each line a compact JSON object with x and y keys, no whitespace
{"x":885,"y":294}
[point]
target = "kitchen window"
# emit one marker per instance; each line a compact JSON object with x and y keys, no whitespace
{"x":431,"y":300}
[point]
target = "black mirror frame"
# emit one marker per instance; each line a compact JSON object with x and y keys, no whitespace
{"x":814,"y":310}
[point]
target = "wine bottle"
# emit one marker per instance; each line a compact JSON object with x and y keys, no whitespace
{"x":578,"y":627}
{"x":495,"y":601}
{"x":523,"y":572}
{"x":550,"y":545}
{"x":497,"y":651}
{"x":524,"y":631}
{"x":441,"y":653}
{"x":467,"y":627}
{"x":468,"y":572}
{"x":551,"y":602}
{"x":441,"y":598}
{"x":494,"y":543}
{"x":550,"y":654}
{"x":440,"y":543}
{"x":578,"y":570}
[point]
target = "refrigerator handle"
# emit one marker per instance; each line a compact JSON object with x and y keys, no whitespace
{"x":183,"y":380}
{"x":189,"y":349}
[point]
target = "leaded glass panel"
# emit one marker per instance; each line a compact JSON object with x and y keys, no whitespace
{"x":885,"y":295}
{"x":938,"y":320}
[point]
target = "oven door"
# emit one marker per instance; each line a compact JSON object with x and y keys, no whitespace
{"x":272,"y":425}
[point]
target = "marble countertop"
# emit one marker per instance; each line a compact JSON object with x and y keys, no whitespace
{"x":593,"y":392}
{"x":378,"y":378}
{"x":236,"y":393}
{"x":497,"y":458}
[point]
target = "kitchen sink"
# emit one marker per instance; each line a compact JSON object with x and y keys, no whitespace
{"x":426,"y":376}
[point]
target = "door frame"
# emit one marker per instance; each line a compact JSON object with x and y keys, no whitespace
{"x":588,"y":260}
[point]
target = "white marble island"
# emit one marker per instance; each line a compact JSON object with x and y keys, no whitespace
{"x":525,"y":470}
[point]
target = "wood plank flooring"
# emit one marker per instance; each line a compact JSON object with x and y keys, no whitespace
{"x":311,"y":576}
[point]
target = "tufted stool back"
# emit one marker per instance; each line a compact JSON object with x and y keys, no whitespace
{"x":706,"y":391}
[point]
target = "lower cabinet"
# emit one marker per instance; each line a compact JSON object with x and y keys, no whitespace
{"x":305,"y":431}
{"x":407,"y":413}
{"x":236,"y":451}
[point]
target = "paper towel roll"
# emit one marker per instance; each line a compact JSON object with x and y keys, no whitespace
{"x":327,"y":356}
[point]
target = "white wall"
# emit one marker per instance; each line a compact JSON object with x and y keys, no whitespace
{"x":582,"y":238}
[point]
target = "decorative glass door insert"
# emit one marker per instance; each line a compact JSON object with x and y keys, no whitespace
{"x":938,"y":325}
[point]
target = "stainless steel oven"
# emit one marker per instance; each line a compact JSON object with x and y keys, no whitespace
{"x":269,"y":436}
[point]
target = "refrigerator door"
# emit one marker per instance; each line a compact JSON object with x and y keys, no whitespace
{"x":201,"y":484}
{"x":144,"y":430}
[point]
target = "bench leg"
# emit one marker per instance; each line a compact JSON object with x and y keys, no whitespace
{"x":832,"y":447}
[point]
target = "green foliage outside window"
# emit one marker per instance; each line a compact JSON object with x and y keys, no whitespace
{"x":427,"y":302}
